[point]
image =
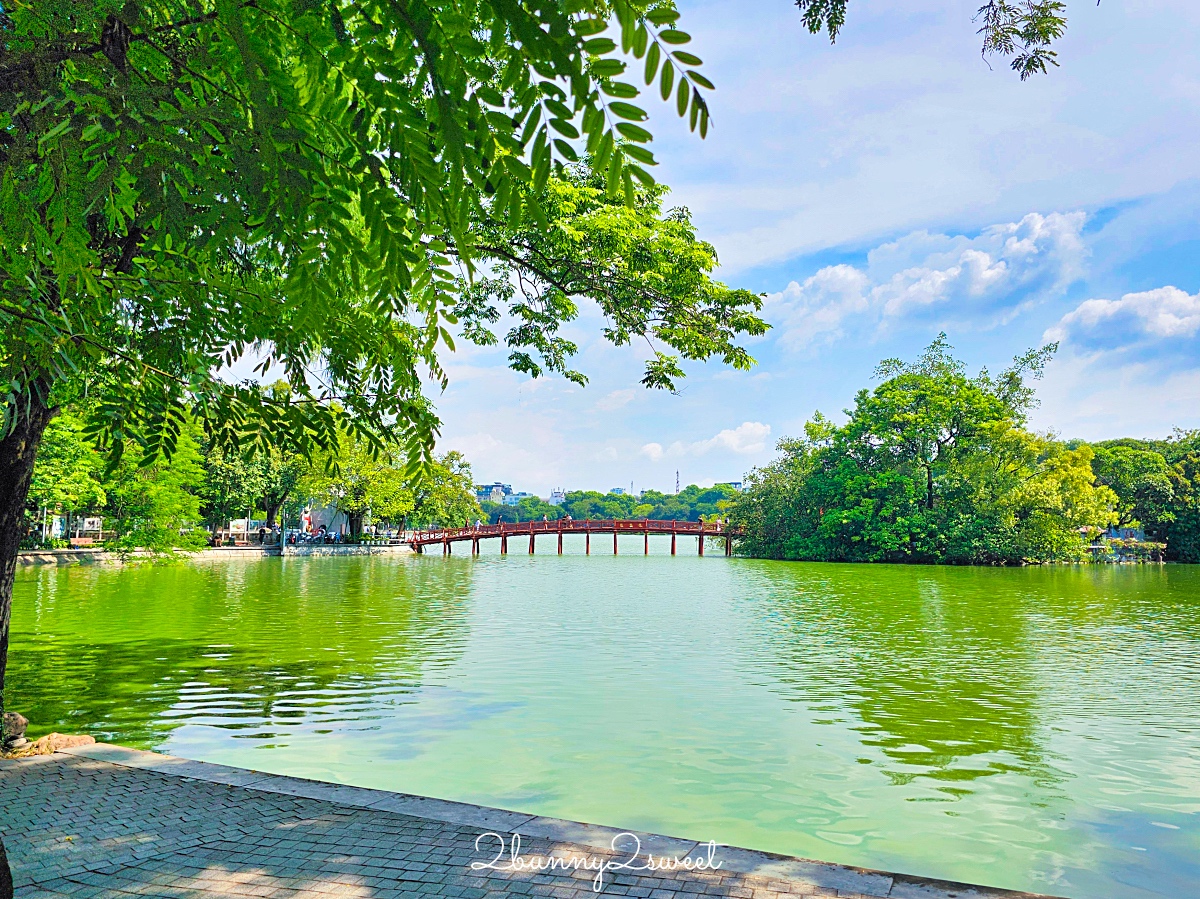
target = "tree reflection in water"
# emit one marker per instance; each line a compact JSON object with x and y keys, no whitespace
{"x":260,"y":647}
{"x":948,"y":672}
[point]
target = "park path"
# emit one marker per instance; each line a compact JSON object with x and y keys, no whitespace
{"x":104,"y":822}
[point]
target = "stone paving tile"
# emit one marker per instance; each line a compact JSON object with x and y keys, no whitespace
{"x":93,"y":828}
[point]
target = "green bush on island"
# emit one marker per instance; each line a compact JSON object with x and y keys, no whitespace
{"x":934,"y":465}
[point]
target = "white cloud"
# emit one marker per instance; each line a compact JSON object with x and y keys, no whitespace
{"x":1101,"y":395}
{"x":747,"y":438}
{"x":817,"y":308}
{"x":653,"y":451}
{"x":1167,"y":312}
{"x":901,"y":124}
{"x":616,"y":399}
{"x":992,"y":275}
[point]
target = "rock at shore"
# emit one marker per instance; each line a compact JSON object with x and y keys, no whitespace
{"x":14,"y":727}
{"x":51,"y":743}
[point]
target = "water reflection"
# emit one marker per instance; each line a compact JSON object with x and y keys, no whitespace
{"x":947,"y":673}
{"x":260,"y":648}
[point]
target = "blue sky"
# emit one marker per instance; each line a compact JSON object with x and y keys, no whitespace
{"x":879,"y":191}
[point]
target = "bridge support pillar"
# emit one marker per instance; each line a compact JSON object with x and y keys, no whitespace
{"x":475,"y":546}
{"x":672,"y":543}
{"x":614,"y":541}
{"x":531,"y":543}
{"x":446,"y":547}
{"x":504,"y":544}
{"x":700,"y":545}
{"x":646,"y":552}
{"x":728,"y":545}
{"x":587,"y":543}
{"x":560,"y":543}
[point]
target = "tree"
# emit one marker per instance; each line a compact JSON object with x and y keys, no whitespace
{"x":232,"y":486}
{"x":310,"y":184}
{"x":444,"y":494}
{"x":932,"y":466}
{"x":281,"y":472}
{"x":361,"y":483}
{"x":1142,"y":481}
{"x":157,"y":506}
{"x":68,"y":469}
{"x":183,"y":183}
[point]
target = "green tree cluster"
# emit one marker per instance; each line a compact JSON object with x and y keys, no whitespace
{"x":1157,"y":483}
{"x":690,"y":504}
{"x":932,"y":465}
{"x":173,"y":503}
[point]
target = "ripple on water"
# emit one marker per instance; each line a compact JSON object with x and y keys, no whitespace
{"x":1034,"y":729}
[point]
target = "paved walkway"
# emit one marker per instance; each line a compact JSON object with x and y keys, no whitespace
{"x":103,"y":821}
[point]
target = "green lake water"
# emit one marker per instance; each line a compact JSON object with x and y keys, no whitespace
{"x":1028,"y":728}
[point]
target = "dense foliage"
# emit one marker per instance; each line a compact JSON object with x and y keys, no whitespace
{"x":319,"y":184}
{"x":933,"y":465}
{"x":177,"y":503}
{"x":690,"y":504}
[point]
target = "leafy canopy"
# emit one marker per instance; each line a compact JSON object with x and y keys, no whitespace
{"x":184,"y":183}
{"x":933,"y":465}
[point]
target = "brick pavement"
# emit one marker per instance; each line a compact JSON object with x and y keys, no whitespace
{"x":112,"y":823}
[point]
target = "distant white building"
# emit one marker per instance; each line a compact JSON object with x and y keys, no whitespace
{"x":557,"y":497}
{"x":492,"y":493}
{"x":513,"y":499}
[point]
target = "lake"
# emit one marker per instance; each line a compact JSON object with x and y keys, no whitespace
{"x":1027,"y":728}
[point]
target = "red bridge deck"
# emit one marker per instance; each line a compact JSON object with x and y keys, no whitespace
{"x":446,"y":537}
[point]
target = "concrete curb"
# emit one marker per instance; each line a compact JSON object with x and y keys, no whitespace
{"x":752,"y":862}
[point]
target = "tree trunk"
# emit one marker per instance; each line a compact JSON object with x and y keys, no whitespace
{"x":272,"y":507}
{"x":17,"y":452}
{"x":356,"y":520}
{"x":6,"y":881}
{"x":929,"y":486}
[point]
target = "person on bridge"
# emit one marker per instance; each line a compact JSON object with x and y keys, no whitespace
{"x":545,"y":517}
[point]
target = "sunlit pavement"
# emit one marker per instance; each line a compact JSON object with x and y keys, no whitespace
{"x":104,"y":821}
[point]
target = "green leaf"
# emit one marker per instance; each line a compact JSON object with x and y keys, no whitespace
{"x":668,"y":79}
{"x":641,"y":154}
{"x":619,"y":89}
{"x":674,"y":37}
{"x":564,"y":127}
{"x":627,"y":111}
{"x":652,"y":57}
{"x":633,"y":132}
{"x":598,"y":46}
{"x":607,"y":68}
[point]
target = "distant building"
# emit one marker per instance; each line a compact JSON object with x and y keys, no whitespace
{"x":557,"y":497}
{"x":492,"y":493}
{"x":513,"y":499}
{"x":1126,"y":533}
{"x":736,"y":485}
{"x":617,"y":491}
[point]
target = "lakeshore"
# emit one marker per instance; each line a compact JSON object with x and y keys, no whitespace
{"x":88,"y":556}
{"x":107,"y":822}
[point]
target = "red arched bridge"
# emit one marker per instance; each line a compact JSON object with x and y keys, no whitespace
{"x":701,"y":530}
